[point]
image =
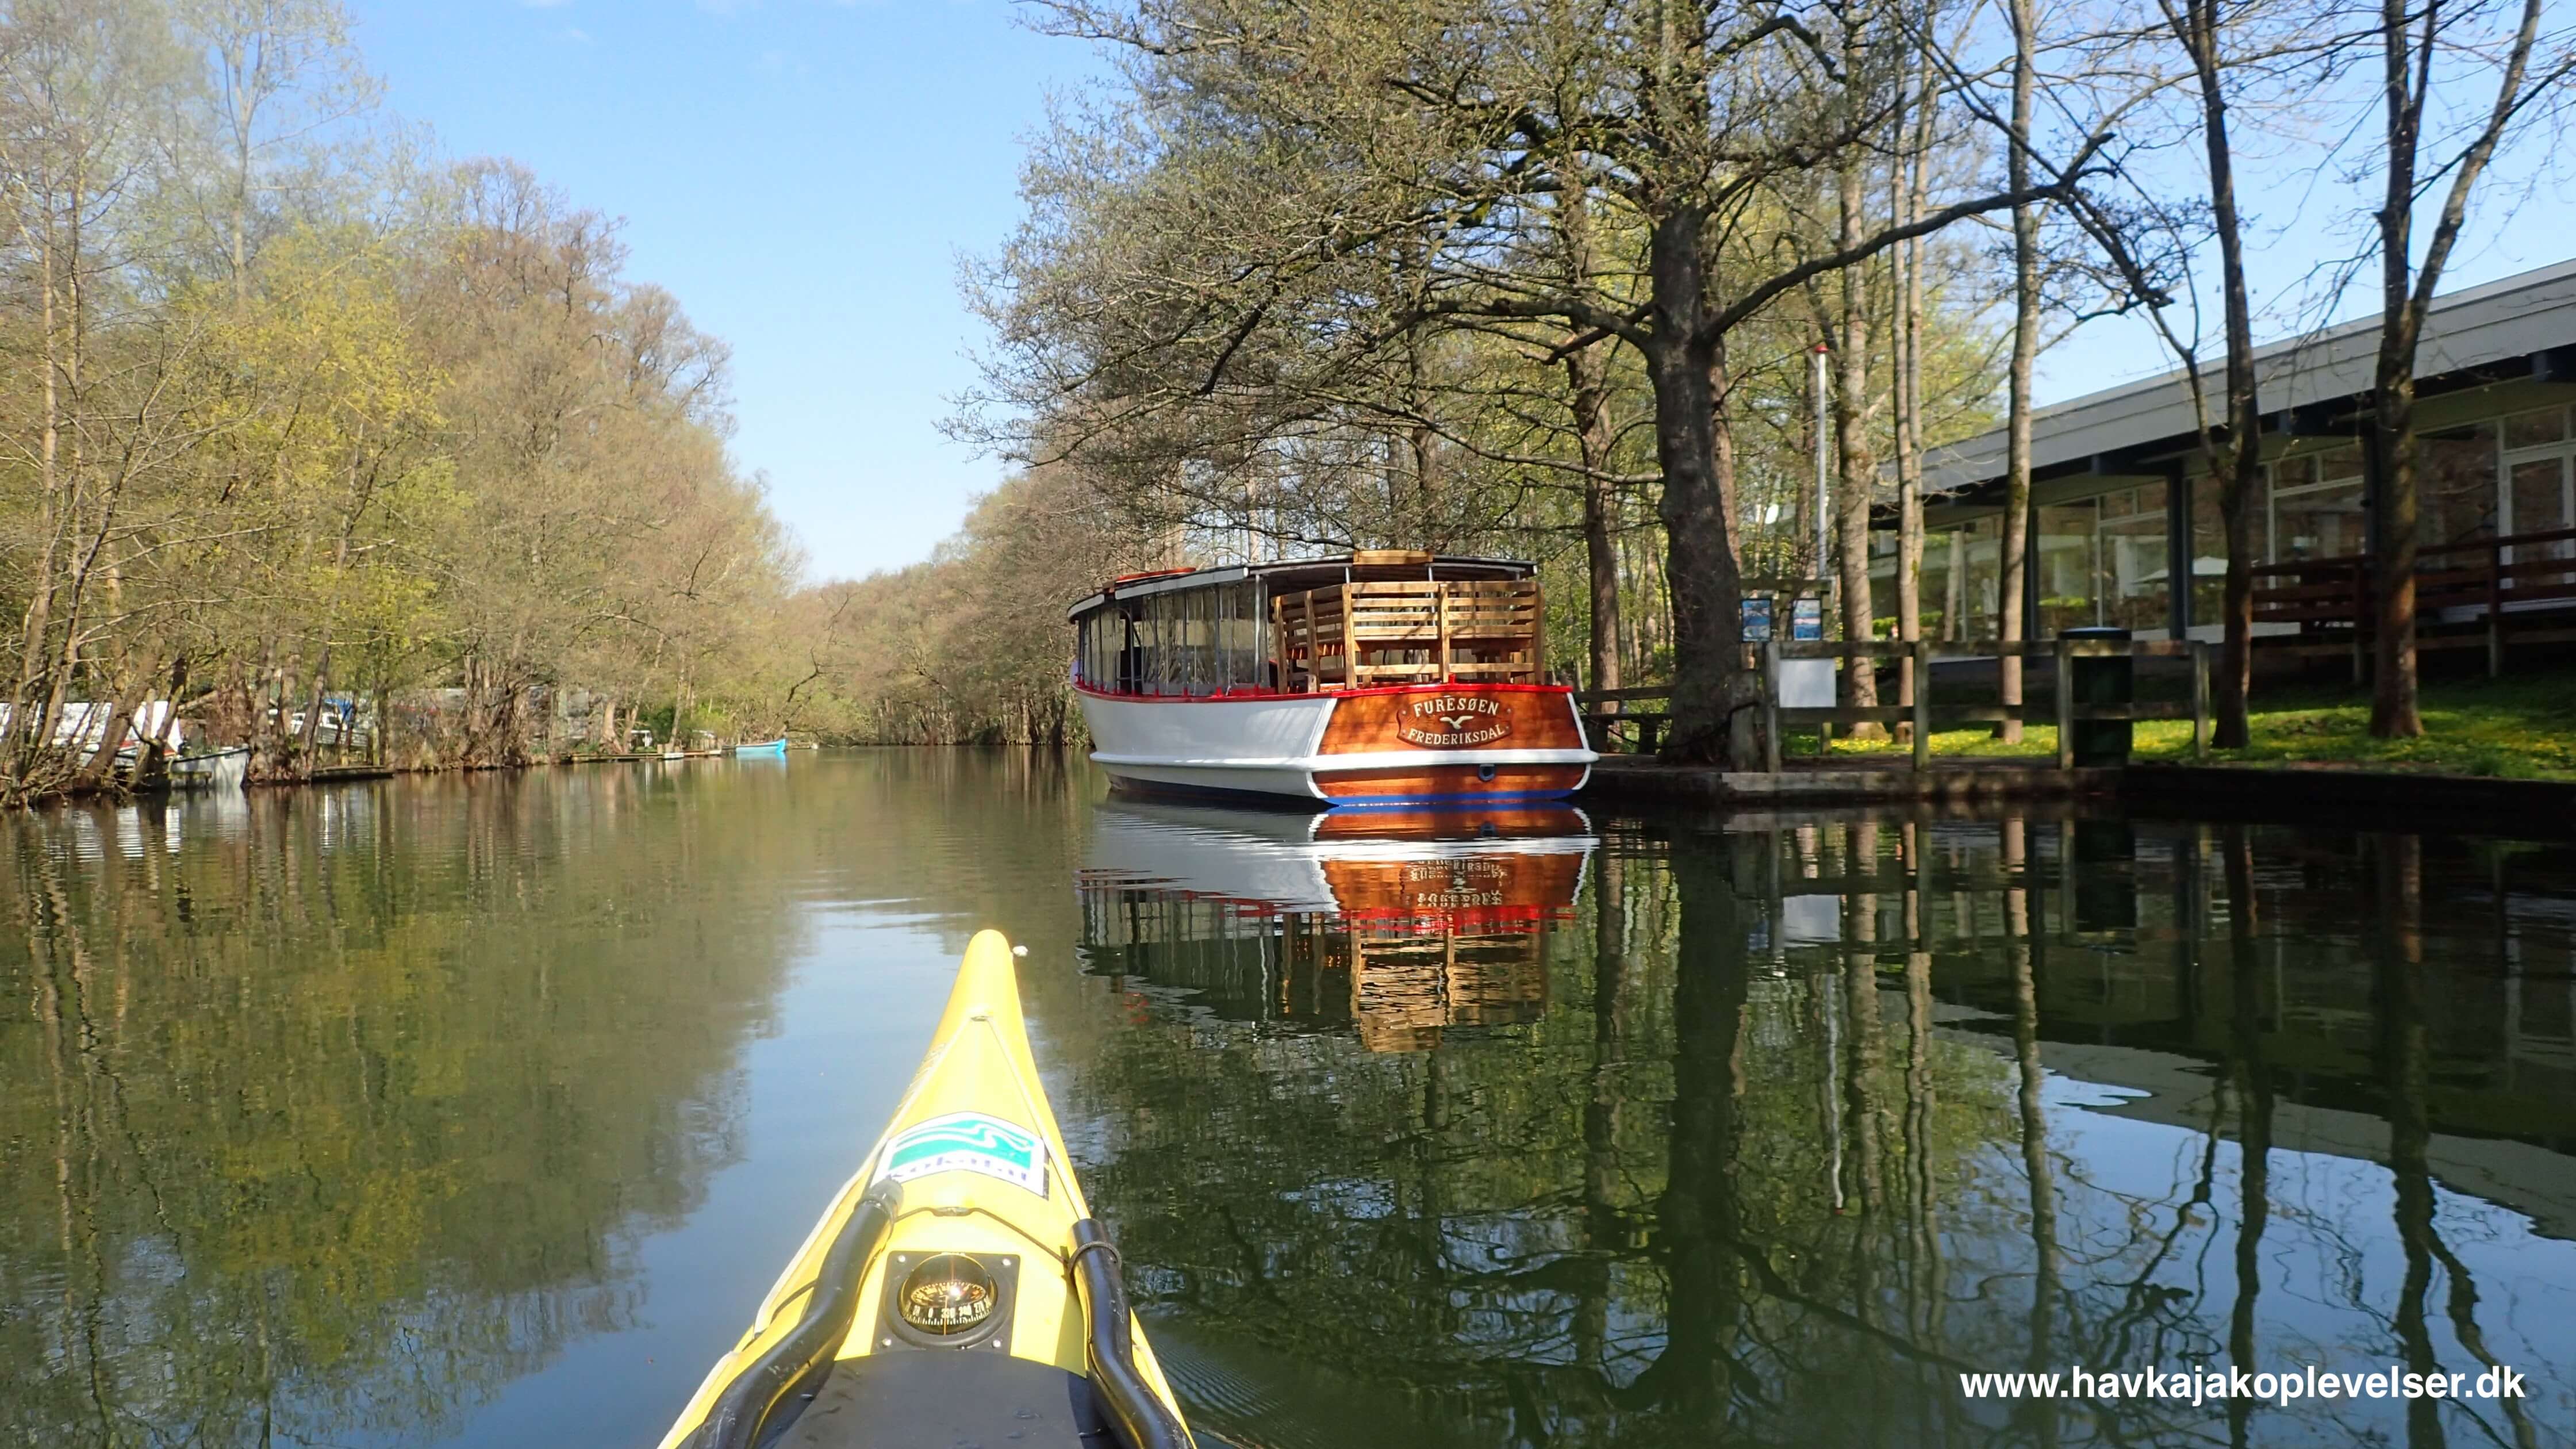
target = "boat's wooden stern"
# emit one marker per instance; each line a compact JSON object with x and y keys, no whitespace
{"x":1464,"y":744}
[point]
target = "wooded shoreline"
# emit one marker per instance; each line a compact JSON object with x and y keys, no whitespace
{"x":305,"y":426}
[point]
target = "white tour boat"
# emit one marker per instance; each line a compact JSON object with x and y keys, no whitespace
{"x":1379,"y":678}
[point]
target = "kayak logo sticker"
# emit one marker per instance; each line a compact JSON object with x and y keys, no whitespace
{"x":968,"y":1142}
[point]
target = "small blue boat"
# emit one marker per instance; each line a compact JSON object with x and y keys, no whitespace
{"x":776,"y":747}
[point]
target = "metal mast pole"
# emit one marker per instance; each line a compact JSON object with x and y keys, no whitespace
{"x":1824,"y":470}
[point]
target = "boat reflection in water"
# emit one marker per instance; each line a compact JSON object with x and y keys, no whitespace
{"x":1401,"y":925}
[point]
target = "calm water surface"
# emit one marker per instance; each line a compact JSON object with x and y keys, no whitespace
{"x":481,"y":1110}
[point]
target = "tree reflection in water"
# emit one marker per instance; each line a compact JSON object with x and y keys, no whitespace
{"x":1800,"y":1123}
{"x":327,"y":1125}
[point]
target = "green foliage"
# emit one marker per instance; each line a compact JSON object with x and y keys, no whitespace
{"x":970,"y":647}
{"x":2518,"y":727}
{"x":281,"y":429}
{"x":1282,"y":294}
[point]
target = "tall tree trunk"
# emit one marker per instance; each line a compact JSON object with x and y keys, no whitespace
{"x":77,"y":561}
{"x":1906,"y":386}
{"x":2237,"y":463}
{"x":1646,"y":617}
{"x":1587,"y":370}
{"x":21,"y":738}
{"x":1600,"y":544}
{"x":2012,"y":583}
{"x":2406,"y":294}
{"x":1709,"y":678}
{"x":1859,"y":462}
{"x":2393,"y":713}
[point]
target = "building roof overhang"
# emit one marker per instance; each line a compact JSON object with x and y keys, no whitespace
{"x":2520,"y":328}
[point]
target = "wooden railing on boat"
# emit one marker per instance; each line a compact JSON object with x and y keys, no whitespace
{"x":1419,"y":631}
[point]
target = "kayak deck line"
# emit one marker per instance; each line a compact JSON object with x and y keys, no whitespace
{"x":958,"y":1286}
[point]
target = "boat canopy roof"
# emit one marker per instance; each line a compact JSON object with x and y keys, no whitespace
{"x":1293,"y":575}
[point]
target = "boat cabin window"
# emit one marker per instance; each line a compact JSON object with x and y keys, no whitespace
{"x":1373,"y":619}
{"x":1184,"y":642}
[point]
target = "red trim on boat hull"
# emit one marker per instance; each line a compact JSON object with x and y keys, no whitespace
{"x":1239,"y":695}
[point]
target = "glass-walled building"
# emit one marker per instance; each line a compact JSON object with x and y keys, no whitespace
{"x":2125,"y":525}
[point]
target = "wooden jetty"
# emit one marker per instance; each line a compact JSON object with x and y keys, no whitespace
{"x":1645,"y":778}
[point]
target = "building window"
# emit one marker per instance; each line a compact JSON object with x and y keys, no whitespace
{"x":1960,"y":568}
{"x":2135,"y":572}
{"x":2455,"y":498}
{"x":2540,"y":502}
{"x":2540,"y":490}
{"x":2532,"y":430}
{"x":2317,"y":507}
{"x":1882,"y":586}
{"x":2069,"y":548}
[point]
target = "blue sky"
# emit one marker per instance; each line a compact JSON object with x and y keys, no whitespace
{"x":804,"y":175}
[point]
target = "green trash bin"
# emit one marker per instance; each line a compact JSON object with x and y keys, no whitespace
{"x":2107,"y":680}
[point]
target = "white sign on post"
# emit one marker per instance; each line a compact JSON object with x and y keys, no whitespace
{"x":1805,"y":684}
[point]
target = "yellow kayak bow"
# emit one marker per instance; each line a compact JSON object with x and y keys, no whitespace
{"x":957,"y":1290}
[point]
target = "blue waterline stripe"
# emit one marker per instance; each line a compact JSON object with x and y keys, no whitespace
{"x":1470,"y":797}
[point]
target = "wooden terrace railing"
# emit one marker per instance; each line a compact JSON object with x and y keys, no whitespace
{"x":2330,"y":600}
{"x":1418,"y":631}
{"x":1924,"y":713}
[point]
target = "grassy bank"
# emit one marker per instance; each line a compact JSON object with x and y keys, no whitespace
{"x":2514,"y":728}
